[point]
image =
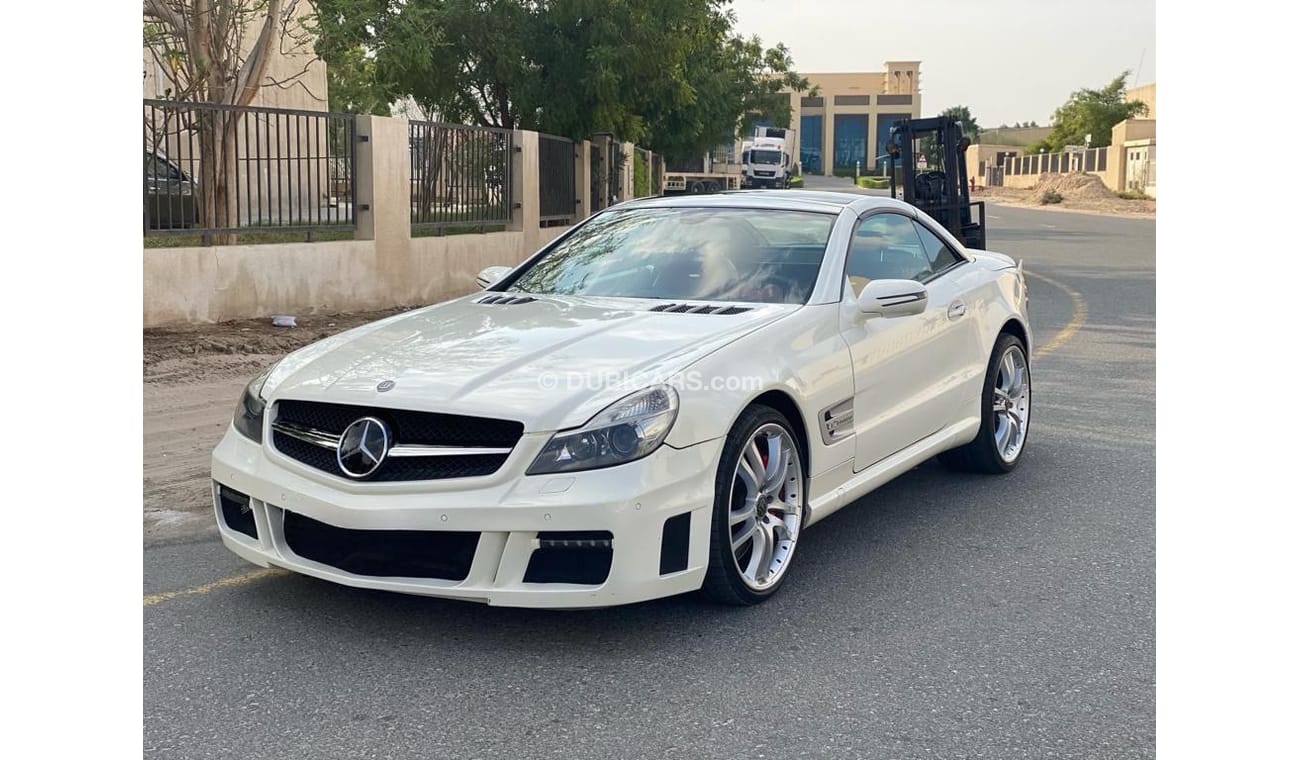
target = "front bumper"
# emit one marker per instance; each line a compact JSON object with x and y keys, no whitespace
{"x":634,"y":502}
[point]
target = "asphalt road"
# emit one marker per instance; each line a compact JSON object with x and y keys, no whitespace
{"x":943,"y":616}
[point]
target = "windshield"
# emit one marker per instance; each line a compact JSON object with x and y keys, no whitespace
{"x":766,"y":157}
{"x":700,"y":254}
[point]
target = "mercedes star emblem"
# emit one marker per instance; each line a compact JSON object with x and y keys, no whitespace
{"x":363,"y":447}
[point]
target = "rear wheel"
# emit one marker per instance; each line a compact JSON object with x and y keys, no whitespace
{"x":758,"y":509}
{"x":1004,"y":413}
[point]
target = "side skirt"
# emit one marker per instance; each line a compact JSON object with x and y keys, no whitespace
{"x":860,"y":484}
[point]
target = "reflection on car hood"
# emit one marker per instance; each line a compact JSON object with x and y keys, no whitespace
{"x":550,"y":363}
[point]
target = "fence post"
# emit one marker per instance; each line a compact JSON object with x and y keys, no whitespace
{"x":383,"y":192}
{"x":628,"y":189}
{"x":582,"y":179}
{"x":525,"y":194}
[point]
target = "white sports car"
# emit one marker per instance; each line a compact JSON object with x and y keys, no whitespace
{"x":661,"y":400}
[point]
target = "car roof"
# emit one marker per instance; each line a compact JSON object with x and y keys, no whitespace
{"x":824,"y":201}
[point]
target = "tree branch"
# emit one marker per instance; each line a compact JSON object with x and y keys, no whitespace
{"x":254,"y":68}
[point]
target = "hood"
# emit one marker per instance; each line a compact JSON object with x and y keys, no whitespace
{"x":551,"y":363}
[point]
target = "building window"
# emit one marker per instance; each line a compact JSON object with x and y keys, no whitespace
{"x":850,"y":143}
{"x":810,"y":144}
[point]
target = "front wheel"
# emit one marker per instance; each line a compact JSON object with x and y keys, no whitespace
{"x":1004,"y":413}
{"x":758,"y":509}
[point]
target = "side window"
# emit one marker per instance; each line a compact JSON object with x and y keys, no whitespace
{"x":937,"y":253}
{"x":885,"y":247}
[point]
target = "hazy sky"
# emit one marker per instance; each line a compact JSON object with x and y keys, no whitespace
{"x":1008,"y":61}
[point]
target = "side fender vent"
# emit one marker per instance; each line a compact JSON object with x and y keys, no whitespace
{"x":504,"y":300}
{"x":686,"y":308}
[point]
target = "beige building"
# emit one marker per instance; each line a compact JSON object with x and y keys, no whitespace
{"x":295,"y":77}
{"x":844,"y":126}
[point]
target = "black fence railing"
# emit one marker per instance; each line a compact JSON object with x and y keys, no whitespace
{"x":212,"y":169}
{"x":460,"y":176}
{"x":1092,"y":160}
{"x":556,"y":186}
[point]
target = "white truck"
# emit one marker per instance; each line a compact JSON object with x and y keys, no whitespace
{"x":766,"y":161}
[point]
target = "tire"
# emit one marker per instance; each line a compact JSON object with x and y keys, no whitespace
{"x":989,"y":452}
{"x":696,"y":188}
{"x":771,"y":526}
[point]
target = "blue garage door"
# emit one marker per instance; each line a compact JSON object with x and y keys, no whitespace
{"x":850,"y":143}
{"x":810,"y":144}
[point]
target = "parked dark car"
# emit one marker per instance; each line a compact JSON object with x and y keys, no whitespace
{"x":169,"y":200}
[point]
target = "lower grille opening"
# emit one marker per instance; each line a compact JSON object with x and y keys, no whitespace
{"x":445,"y":555}
{"x":236,"y":511}
{"x":582,"y":557}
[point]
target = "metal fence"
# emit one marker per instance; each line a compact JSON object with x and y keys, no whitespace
{"x":556,"y":187}
{"x":218,"y":169}
{"x":1092,"y":160}
{"x":460,"y":176}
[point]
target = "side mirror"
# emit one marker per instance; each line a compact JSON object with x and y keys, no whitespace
{"x":490,"y":276}
{"x":893,"y":298}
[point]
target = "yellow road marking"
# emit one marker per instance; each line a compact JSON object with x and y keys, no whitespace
{"x":234,"y":580}
{"x":1077,"y":318}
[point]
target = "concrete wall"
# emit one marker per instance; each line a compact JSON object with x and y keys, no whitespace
{"x":1147,"y":94}
{"x":384,"y":267}
{"x":1127,"y":131}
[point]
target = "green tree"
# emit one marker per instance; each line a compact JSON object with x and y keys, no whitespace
{"x":353,"y":85}
{"x":1090,"y":112}
{"x":969,"y":127}
{"x":669,"y":74}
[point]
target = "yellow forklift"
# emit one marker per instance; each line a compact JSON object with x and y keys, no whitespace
{"x":927,"y":166}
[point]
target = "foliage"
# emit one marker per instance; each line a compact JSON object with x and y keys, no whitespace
{"x":353,"y":86}
{"x":640,"y":176}
{"x":876,"y":183}
{"x":669,"y":74}
{"x":796,"y":181}
{"x":1091,"y":112}
{"x":1133,"y":195}
{"x":969,"y":127}
{"x":1051,"y":196}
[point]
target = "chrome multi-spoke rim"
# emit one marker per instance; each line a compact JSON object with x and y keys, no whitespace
{"x":1011,"y":404}
{"x":766,"y":506}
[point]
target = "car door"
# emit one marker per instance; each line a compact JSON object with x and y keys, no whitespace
{"x":902,"y":366}
{"x":954,"y":286}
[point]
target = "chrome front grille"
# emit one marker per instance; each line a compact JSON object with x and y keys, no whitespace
{"x":423,"y":445}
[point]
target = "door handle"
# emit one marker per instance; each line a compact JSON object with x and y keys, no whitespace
{"x":956,"y":309}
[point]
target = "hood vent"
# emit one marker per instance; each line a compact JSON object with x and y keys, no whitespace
{"x":686,"y":308}
{"x":505,"y":300}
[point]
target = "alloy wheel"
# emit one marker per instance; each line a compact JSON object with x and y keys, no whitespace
{"x":766,"y":506}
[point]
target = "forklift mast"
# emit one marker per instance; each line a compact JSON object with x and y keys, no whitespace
{"x":941,"y":192}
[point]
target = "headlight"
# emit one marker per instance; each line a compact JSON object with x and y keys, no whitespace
{"x":627,"y":430}
{"x":251,"y":408}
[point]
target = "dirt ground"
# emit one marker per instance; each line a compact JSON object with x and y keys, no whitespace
{"x":1080,"y":192}
{"x":193,"y":375}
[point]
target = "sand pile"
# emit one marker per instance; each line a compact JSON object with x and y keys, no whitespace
{"x":1072,"y":187}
